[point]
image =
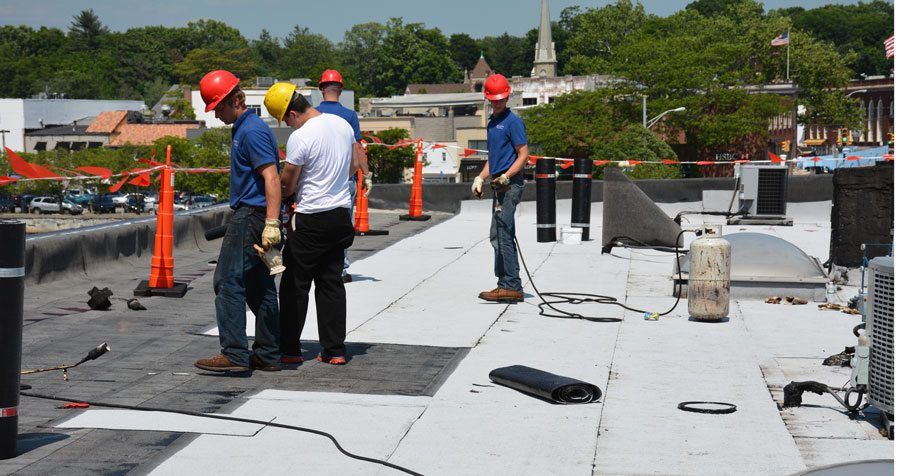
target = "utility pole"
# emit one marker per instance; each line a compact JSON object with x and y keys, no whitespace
{"x":644,"y":108}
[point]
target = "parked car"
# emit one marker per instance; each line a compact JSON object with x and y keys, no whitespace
{"x":103,"y":204}
{"x":7,"y":205}
{"x":178,"y":206}
{"x":134,"y":203}
{"x":72,"y":208}
{"x":22,"y":202}
{"x":44,"y":205}
{"x":119,"y":199}
{"x":202,"y":201}
{"x":79,"y":197}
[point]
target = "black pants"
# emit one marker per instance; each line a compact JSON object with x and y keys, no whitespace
{"x":315,"y":253}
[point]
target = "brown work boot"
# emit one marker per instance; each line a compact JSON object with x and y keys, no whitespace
{"x":219,"y":363}
{"x":503,"y":295}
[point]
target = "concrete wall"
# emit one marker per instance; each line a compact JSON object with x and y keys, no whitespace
{"x":447,"y":197}
{"x":83,"y":252}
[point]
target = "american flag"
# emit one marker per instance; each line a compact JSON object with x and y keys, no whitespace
{"x":782,"y":39}
{"x":889,"y":47}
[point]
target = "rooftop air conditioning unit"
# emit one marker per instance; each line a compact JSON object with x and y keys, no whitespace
{"x":880,"y":330}
{"x":265,"y":81}
{"x":763,"y":195}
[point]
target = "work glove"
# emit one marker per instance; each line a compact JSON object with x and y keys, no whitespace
{"x":501,"y":181}
{"x":477,"y":184}
{"x":367,"y":183}
{"x":271,"y":234}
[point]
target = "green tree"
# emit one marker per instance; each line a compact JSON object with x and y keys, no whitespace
{"x":388,"y":163}
{"x":509,"y":55}
{"x":268,"y":51}
{"x":201,"y":61}
{"x":361,"y":53}
{"x":597,"y":33}
{"x":411,"y":53}
{"x":305,"y":54}
{"x":464,"y":50}
{"x":86,"y":30}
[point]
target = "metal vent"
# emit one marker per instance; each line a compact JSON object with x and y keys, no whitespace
{"x":771,"y":198}
{"x":880,"y":328}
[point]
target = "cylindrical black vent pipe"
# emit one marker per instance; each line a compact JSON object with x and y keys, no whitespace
{"x":12,"y":295}
{"x":545,"y":180}
{"x":581,"y":196}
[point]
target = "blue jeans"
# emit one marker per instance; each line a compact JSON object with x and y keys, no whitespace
{"x":242,"y":280}
{"x":503,"y":234}
{"x":352,"y":220}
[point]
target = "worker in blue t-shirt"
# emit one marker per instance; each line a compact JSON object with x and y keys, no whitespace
{"x":331,"y":84}
{"x":507,"y":154}
{"x":242,"y":279}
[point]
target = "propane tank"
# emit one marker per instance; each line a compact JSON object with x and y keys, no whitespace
{"x":709,"y":281}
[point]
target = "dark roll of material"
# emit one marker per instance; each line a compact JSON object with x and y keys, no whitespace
{"x":551,"y":387}
{"x":12,"y":298}
{"x":545,"y":179}
{"x":581,"y":196}
{"x":215,"y":232}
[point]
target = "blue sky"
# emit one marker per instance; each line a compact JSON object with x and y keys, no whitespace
{"x":478,"y":18}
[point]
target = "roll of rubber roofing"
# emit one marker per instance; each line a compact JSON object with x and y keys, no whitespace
{"x":552,"y":387}
{"x":581,"y":196}
{"x":215,"y":232}
{"x":545,"y":180}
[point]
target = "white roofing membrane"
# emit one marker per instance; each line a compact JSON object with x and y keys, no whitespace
{"x":422,"y":291}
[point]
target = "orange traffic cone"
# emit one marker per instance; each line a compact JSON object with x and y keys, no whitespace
{"x":415,"y":197}
{"x":361,"y":218}
{"x":162,"y":265}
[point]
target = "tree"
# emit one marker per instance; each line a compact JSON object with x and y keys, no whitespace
{"x":509,"y":55}
{"x":411,"y":53}
{"x":597,"y":33}
{"x":86,"y":30}
{"x":305,"y":54}
{"x":464,"y":50}
{"x":201,"y":61}
{"x":268,"y":51}
{"x":388,"y":163}
{"x":361,"y":53}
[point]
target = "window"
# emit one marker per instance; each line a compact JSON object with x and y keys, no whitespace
{"x":95,"y":144}
{"x":529,"y":101}
{"x":478,"y":144}
{"x":256,"y":109}
{"x":443,"y":156}
{"x":39,"y":146}
{"x":550,"y":99}
{"x":62,"y":145}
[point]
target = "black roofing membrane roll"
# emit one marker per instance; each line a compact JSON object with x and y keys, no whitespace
{"x":552,"y":387}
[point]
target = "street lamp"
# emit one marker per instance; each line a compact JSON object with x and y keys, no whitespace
{"x":656,"y":119}
{"x":860,"y":91}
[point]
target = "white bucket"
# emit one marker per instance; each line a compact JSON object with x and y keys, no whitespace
{"x":570,"y":236}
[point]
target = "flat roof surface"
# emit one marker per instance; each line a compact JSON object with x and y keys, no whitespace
{"x":417,"y":392}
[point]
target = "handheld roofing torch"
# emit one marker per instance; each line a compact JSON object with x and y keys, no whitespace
{"x":92,"y":355}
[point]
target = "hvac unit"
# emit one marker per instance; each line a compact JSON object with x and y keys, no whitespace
{"x":763,"y":195}
{"x":265,"y":81}
{"x":880,"y":329}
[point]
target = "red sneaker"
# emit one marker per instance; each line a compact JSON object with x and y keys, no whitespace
{"x":340,"y":360}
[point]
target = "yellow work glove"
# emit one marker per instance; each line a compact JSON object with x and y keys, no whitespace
{"x":367,"y":183}
{"x":477,"y":184}
{"x":501,"y":181}
{"x":271,"y":234}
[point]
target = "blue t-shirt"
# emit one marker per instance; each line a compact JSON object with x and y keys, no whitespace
{"x":338,"y":109}
{"x":252,"y":146}
{"x":504,"y":133}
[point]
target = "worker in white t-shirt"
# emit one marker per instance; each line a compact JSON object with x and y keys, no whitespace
{"x":319,"y":161}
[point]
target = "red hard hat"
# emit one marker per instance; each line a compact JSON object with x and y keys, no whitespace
{"x":496,"y":87}
{"x":215,"y":86}
{"x":331,"y":76}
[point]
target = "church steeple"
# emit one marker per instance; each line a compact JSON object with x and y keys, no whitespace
{"x":544,"y":49}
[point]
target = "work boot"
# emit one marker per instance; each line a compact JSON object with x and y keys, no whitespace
{"x":291,"y":359}
{"x":256,"y":363}
{"x":339,"y":360}
{"x":502,"y":295}
{"x":219,"y":363}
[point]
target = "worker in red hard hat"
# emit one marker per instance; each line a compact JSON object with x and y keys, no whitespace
{"x":242,"y":279}
{"x":507,"y":154}
{"x":331,"y":84}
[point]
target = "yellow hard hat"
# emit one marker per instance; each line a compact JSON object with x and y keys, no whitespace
{"x":278,"y":97}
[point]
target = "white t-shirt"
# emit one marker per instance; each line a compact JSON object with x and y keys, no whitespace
{"x":323,"y":149}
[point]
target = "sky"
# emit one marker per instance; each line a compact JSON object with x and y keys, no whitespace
{"x":478,"y":18}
